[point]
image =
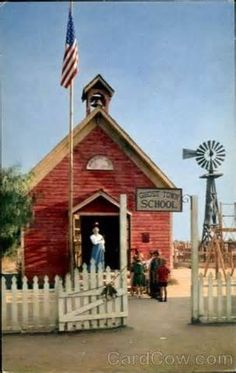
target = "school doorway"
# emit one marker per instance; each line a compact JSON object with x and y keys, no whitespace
{"x":109,"y":227}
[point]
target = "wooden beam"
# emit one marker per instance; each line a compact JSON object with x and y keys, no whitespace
{"x":225,"y":229}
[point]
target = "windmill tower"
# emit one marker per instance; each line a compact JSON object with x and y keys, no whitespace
{"x":209,"y":155}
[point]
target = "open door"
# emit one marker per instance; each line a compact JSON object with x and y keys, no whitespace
{"x":77,"y":240}
{"x":109,"y":228}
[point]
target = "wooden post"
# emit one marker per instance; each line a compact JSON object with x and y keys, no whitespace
{"x":194,"y":259}
{"x":123,"y":251}
{"x":71,"y":180}
{"x":123,"y":231}
{"x":71,"y":176}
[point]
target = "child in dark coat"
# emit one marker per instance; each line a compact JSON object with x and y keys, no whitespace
{"x":138,"y":277}
{"x":163,"y":275}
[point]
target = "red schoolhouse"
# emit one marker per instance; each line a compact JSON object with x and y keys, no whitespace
{"x":107,"y":163}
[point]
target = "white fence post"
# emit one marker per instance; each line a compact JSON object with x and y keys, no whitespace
{"x":219,"y":295}
{"x":85,"y":287}
{"x":61,"y":304}
{"x":55,"y":312}
{"x":14,"y":308}
{"x":228,"y":297}
{"x":123,"y":252}
{"x":93,"y":285}
{"x":25,"y":302}
{"x":201,"y":295}
{"x":46,"y":304}
{"x":4,"y":305}
{"x":35,"y":300}
{"x":210,"y":297}
{"x":117,"y":284}
{"x":194,"y":259}
{"x":102,"y":308}
{"x":108,"y":303}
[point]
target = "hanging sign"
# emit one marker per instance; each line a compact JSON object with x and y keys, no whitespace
{"x":159,"y":199}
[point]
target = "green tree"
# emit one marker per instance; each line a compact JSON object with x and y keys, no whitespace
{"x":15,"y":207}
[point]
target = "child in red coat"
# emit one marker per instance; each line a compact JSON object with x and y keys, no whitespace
{"x":163,"y":275}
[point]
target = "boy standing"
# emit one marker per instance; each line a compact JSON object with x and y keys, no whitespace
{"x":163,"y":275}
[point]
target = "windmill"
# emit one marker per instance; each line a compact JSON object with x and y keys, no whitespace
{"x":210,"y":155}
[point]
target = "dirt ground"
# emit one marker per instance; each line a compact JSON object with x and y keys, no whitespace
{"x":159,"y":338}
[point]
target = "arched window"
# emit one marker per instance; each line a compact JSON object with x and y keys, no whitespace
{"x":100,"y":162}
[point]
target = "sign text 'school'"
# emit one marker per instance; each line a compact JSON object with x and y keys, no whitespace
{"x":159,"y":200}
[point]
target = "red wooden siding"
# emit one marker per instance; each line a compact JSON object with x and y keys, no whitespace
{"x":46,"y":249}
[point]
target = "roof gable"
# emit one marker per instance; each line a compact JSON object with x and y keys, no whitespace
{"x":100,"y":118}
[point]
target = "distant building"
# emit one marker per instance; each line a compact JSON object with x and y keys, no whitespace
{"x":107,"y":163}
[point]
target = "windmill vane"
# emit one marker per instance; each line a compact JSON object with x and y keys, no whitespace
{"x":209,"y":155}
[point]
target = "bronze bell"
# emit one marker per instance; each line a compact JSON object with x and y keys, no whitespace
{"x":96,"y":100}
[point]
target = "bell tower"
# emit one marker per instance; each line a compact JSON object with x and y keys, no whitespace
{"x":97,"y":93}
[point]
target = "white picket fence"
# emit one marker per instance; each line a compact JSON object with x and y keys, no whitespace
{"x":85,"y":307}
{"x":216,"y":298}
{"x":28,"y":309}
{"x":61,"y":308}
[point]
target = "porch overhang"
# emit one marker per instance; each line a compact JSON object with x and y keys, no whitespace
{"x":93,"y":197}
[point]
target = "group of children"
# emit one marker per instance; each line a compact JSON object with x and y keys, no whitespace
{"x":150,"y":276}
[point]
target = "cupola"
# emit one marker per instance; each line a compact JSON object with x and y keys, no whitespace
{"x":97,"y":93}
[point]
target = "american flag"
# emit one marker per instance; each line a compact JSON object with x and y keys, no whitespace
{"x":70,"y":61}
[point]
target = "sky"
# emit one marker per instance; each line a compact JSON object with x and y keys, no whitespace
{"x":171,"y":65}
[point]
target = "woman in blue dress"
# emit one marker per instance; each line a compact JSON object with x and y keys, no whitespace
{"x":98,"y":248}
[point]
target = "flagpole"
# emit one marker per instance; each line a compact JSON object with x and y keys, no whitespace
{"x":71,"y":175}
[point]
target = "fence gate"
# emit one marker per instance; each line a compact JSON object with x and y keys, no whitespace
{"x":99,"y":298}
{"x":92,"y":304}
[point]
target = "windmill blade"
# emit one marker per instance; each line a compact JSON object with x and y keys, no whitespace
{"x":208,"y":165}
{"x":216,"y":163}
{"x":202,"y":162}
{"x":221,"y":152}
{"x":219,"y":159}
{"x":200,"y":152}
{"x":200,"y":159}
{"x":189,"y":153}
{"x":205,"y":164}
{"x":201,"y":148}
{"x":220,"y":156}
{"x":209,"y":144}
{"x":219,"y":147}
{"x":213,"y":144}
{"x":205,"y":145}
